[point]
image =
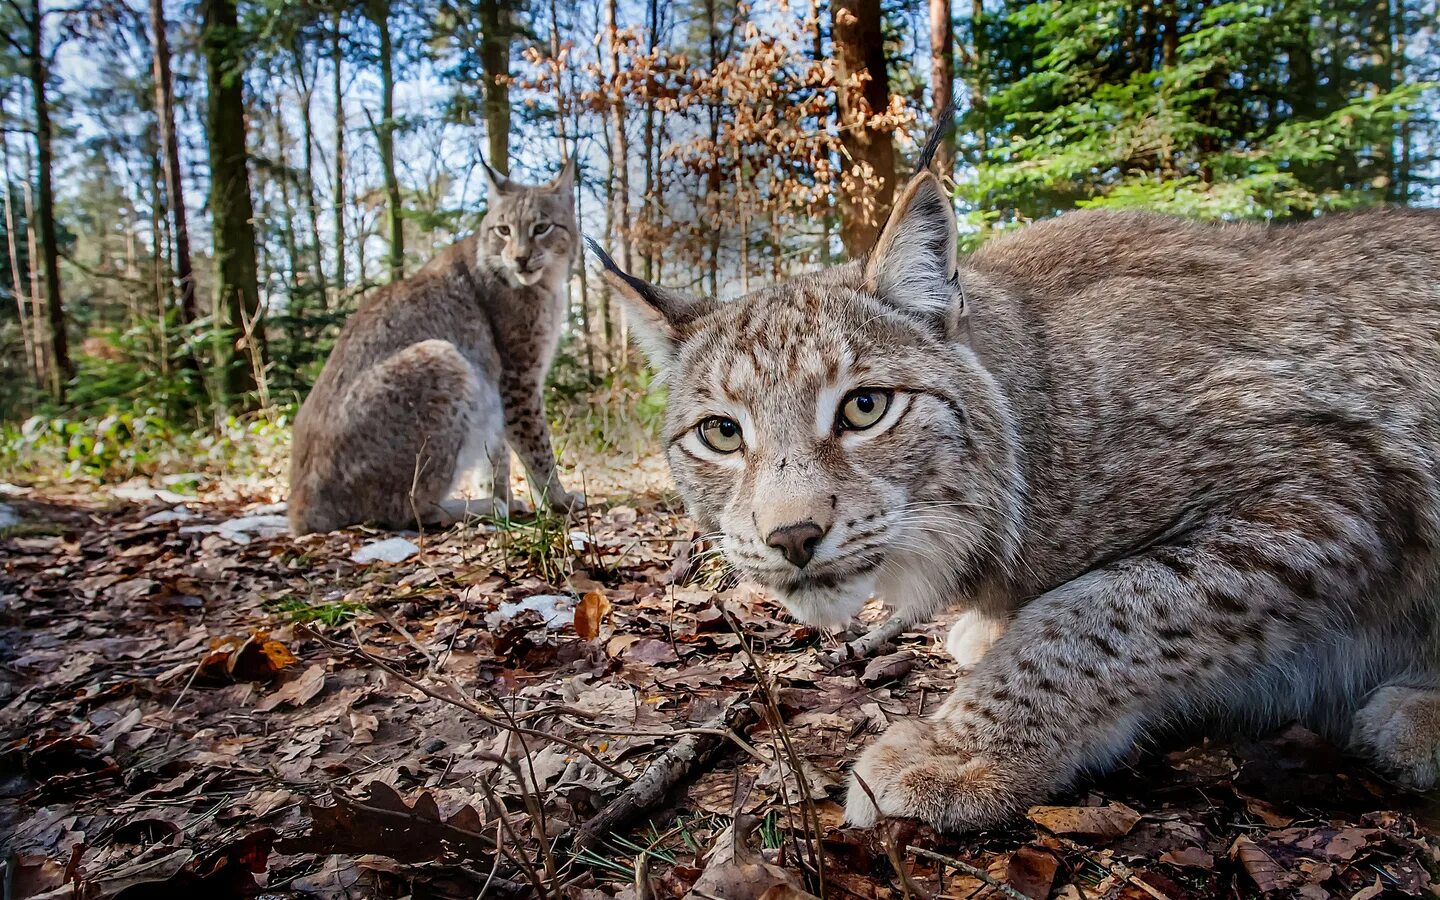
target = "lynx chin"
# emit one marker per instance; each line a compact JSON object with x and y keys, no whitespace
{"x":1184,"y":471}
{"x":441,"y":374}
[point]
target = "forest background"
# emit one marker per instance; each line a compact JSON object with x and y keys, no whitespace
{"x":196,"y":194}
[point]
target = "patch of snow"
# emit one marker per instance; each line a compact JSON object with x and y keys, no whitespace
{"x":268,"y":509}
{"x":165,"y":516}
{"x":244,"y":529}
{"x":558,"y":610}
{"x":8,"y":516}
{"x":390,"y":550}
{"x":140,"y":492}
{"x":12,"y":490}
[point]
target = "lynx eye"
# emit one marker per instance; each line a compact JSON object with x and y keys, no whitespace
{"x":542,"y":228}
{"x":502,"y":230}
{"x":863,"y":408}
{"x":720,"y":434}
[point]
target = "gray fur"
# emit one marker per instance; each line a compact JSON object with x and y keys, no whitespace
{"x":1192,"y":471}
{"x":442,"y":373}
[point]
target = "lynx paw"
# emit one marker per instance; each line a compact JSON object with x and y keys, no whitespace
{"x":566,"y":501}
{"x":1399,"y":729}
{"x":917,"y":770}
{"x":971,"y":637}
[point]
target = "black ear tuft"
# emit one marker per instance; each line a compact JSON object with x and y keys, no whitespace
{"x":644,"y":289}
{"x":944,"y":124}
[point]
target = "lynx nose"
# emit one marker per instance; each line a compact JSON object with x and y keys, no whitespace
{"x":797,"y":542}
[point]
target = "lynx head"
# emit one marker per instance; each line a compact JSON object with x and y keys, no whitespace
{"x":838,"y":429}
{"x":530,"y":231}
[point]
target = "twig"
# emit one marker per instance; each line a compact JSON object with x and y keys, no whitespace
{"x":812,"y":816}
{"x":665,"y":772}
{"x":887,"y":840}
{"x":466,"y":705}
{"x":970,"y":870}
{"x":869,"y":643}
{"x":1116,"y":868}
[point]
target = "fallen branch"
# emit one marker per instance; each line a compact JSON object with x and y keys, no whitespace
{"x":693,"y":751}
{"x":869,"y":643}
{"x":973,"y":871}
{"x":1115,"y":867}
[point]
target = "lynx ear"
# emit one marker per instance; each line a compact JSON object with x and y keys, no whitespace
{"x":659,"y":316}
{"x":914,"y":264}
{"x":564,"y":183}
{"x":495,"y":183}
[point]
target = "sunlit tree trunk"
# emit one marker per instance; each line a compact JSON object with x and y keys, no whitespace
{"x":237,"y":291}
{"x":337,"y":62}
{"x":863,"y":89}
{"x":379,"y":12}
{"x":59,"y":369}
{"x":17,"y":283}
{"x":496,"y":31}
{"x":170,"y":165}
{"x":312,"y":206}
{"x":942,"y":77}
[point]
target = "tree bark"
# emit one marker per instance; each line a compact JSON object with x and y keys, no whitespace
{"x":942,"y":77}
{"x":17,"y":283}
{"x":337,"y":61}
{"x":312,"y":210}
{"x":863,"y":89}
{"x":495,"y":35}
{"x":379,"y":11}
{"x":59,"y":369}
{"x":170,"y":165}
{"x":237,"y":291}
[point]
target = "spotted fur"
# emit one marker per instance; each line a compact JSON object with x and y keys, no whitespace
{"x":442,"y":373}
{"x":1193,"y":469}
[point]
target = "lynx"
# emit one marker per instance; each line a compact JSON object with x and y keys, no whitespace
{"x":1193,"y":470}
{"x":442,"y":373}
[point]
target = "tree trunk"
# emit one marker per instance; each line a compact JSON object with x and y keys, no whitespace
{"x":942,"y":77}
{"x":337,"y":60}
{"x":385,"y":135}
{"x":17,"y":283}
{"x":496,"y":31}
{"x":60,"y":370}
{"x":237,"y":291}
{"x":979,"y":87}
{"x":863,"y":89}
{"x":312,"y":206}
{"x":621,"y":149}
{"x":649,"y":203}
{"x":174,"y":184}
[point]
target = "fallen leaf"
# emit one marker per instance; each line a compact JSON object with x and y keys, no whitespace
{"x":1031,"y":871}
{"x":1192,"y":857}
{"x":1099,"y":823}
{"x":736,"y":872}
{"x":888,"y":668}
{"x":590,"y":615}
{"x":1262,"y":868}
{"x":298,"y":691}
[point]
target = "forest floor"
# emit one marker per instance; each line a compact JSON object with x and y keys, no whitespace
{"x":195,"y":703}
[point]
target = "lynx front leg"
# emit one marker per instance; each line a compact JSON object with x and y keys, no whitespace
{"x":1399,"y":729}
{"x":528,"y":434}
{"x":1087,"y":667}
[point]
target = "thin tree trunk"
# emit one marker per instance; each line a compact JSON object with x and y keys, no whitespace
{"x":174,"y":184}
{"x":237,"y":290}
{"x":312,"y":206}
{"x":337,"y":60}
{"x":712,"y":186}
{"x":60,"y":369}
{"x":287,"y":229}
{"x":37,"y":300}
{"x":863,"y":89}
{"x":385,"y":135}
{"x":979,"y":87}
{"x":652,"y":25}
{"x":32,"y":360}
{"x":620,"y":147}
{"x":495,"y":35}
{"x":942,"y":77}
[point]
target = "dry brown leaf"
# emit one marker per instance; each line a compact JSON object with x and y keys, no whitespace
{"x":735,"y":872}
{"x":298,"y":691}
{"x":590,"y":615}
{"x":1099,"y":823}
{"x":1031,"y":871}
{"x":1262,"y":868}
{"x":1192,"y":857}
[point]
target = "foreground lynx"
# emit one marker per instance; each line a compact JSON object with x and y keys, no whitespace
{"x":433,"y":375}
{"x":1196,"y":467}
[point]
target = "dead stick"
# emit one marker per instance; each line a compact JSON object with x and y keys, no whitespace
{"x":869,"y":643}
{"x":973,"y":871}
{"x":688,"y":754}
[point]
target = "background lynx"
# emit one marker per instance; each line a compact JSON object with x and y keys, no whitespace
{"x":433,"y":375}
{"x":1195,"y":466}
